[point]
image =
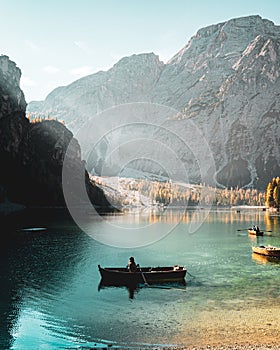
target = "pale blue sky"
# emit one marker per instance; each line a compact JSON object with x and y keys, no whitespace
{"x":55,"y":42}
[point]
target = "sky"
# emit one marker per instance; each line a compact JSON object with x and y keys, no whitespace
{"x":56,"y":42}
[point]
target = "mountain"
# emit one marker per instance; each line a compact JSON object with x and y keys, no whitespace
{"x":212,"y":110}
{"x":32,"y":154}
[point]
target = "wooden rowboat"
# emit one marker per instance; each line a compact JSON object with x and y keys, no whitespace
{"x":146,"y":275}
{"x":255,"y":232}
{"x":268,"y":250}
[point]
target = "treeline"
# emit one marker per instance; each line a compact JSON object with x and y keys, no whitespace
{"x":239,"y":196}
{"x":272,"y":193}
{"x":39,"y":119}
{"x":170,"y":193}
{"x":180,"y":194}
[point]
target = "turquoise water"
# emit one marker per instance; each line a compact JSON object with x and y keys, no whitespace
{"x":51,"y":297}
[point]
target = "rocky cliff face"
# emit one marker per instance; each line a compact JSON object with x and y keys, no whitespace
{"x":32,"y":154}
{"x":225,"y":81}
{"x":13,"y":123}
{"x":131,"y":79}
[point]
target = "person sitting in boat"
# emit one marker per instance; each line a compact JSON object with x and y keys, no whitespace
{"x":257,"y":229}
{"x":132,"y":267}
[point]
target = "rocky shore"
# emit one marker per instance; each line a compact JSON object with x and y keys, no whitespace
{"x":230,"y":347}
{"x":256,"y":327}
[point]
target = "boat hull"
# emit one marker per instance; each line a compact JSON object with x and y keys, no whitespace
{"x":265,"y":259}
{"x":267,"y":251}
{"x":255,"y":233}
{"x":147,"y":275}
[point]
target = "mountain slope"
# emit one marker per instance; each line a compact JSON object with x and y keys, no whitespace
{"x":224,"y":83}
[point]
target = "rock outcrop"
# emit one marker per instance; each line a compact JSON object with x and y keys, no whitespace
{"x":225,"y":81}
{"x":32,"y":154}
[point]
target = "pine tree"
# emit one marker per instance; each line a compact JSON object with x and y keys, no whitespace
{"x":272,"y":193}
{"x":276,"y":196}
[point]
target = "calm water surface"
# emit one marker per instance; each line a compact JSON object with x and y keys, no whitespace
{"x":50,"y":295}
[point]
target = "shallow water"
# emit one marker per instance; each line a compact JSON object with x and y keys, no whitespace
{"x":51,"y":297}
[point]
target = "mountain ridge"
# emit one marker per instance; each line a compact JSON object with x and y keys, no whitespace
{"x":225,"y":80}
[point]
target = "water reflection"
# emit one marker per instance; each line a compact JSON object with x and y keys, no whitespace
{"x":132,"y":289}
{"x":271,"y":221}
{"x":263,"y":259}
{"x":186,"y":215}
{"x":255,"y":240}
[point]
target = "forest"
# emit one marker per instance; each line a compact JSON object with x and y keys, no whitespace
{"x":193,"y":195}
{"x":272,"y":193}
{"x":180,"y":194}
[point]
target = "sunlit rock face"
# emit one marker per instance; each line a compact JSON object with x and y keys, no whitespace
{"x":32,"y":154}
{"x":225,"y":81}
{"x":13,"y":124}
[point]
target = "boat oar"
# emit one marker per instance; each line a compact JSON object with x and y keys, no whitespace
{"x":160,"y":287}
{"x":243,"y":229}
{"x":143,"y":276}
{"x":190,"y":274}
{"x":165,"y":287}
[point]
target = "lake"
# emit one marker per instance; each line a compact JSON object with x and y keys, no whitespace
{"x":51,"y":296}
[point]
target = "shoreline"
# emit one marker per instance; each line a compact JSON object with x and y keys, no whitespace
{"x":255,"y":327}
